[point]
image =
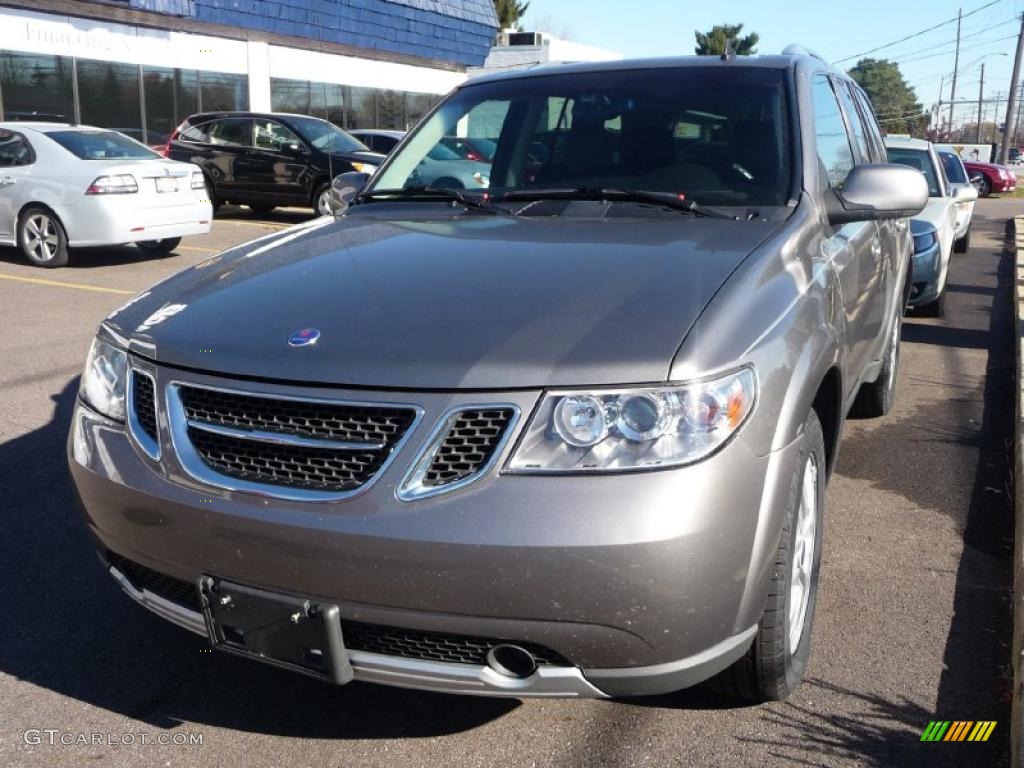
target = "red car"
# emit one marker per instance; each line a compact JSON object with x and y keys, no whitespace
{"x":994,"y":178}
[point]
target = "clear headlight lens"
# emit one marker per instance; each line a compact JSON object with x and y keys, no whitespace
{"x":367,"y":168}
{"x":103,"y":380}
{"x":642,"y":428}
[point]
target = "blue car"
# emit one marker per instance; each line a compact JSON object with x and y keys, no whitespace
{"x":927,"y":271}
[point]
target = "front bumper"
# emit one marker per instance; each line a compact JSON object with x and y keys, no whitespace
{"x":926,"y":275}
{"x":646,"y":583}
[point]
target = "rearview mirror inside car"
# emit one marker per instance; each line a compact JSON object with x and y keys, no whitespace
{"x":876,"y":192}
{"x":344,"y":188}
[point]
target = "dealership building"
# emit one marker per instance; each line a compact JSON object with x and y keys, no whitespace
{"x":142,"y":66}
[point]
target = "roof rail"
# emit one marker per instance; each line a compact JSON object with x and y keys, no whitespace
{"x":796,"y":49}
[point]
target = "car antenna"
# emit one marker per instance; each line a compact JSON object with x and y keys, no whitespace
{"x":730,"y":49}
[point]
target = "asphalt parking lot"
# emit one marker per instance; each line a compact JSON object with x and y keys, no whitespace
{"x":913,"y":622}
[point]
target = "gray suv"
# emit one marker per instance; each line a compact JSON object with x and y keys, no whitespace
{"x":568,"y":435}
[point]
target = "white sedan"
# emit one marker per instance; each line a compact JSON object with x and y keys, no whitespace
{"x":64,"y":186}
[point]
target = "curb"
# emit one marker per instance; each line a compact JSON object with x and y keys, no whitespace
{"x":1017,"y":706}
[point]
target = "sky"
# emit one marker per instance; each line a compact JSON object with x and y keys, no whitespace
{"x":836,"y":30}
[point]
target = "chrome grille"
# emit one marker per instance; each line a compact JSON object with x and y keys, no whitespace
{"x":289,"y":447}
{"x":144,"y":401}
{"x":468,"y":446}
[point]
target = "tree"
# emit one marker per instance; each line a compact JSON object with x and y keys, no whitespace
{"x":895,"y":102}
{"x":509,"y":13}
{"x":713,"y":43}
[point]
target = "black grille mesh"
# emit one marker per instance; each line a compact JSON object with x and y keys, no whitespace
{"x":357,"y":635}
{"x":294,"y":466}
{"x":327,"y":421}
{"x":145,"y":402}
{"x":468,"y":446}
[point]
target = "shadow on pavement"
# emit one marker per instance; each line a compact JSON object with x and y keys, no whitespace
{"x":68,"y":628}
{"x":85,"y":258}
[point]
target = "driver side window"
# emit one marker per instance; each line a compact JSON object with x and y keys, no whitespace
{"x":835,"y":154}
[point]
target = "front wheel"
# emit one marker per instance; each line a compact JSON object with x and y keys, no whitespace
{"x":961,"y":245}
{"x":985,"y":187}
{"x":322,"y":200}
{"x":935,"y":308}
{"x":876,"y":398}
{"x":42,"y":238}
{"x":158,"y":247}
{"x":777,"y":659}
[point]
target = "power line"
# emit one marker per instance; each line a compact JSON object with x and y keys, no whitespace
{"x":918,"y":34}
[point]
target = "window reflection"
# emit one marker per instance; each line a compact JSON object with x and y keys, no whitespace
{"x":351,"y":107}
{"x":171,"y":96}
{"x":36,"y":87}
{"x":108,"y":96}
{"x":223,"y":93}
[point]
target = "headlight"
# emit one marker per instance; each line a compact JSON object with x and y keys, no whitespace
{"x":103,"y":380}
{"x":923,"y":242}
{"x":367,"y":168}
{"x":629,"y":429}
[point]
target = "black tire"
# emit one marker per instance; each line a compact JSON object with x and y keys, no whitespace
{"x":933,"y":308}
{"x":262,"y":209}
{"x":771,"y":670}
{"x":158,"y":247}
{"x":320,"y":206}
{"x":985,"y":187}
{"x":42,"y":239}
{"x":961,"y":245}
{"x":211,"y":194}
{"x":876,"y":398}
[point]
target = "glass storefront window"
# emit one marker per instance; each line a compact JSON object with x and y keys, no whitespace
{"x":171,"y":96}
{"x":417,"y":105}
{"x":290,"y":96}
{"x":37,"y":87}
{"x":391,"y":110}
{"x":362,"y":108}
{"x":108,"y":96}
{"x":223,"y":93}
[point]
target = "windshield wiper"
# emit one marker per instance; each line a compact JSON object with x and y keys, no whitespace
{"x":667,"y":199}
{"x":428,"y":193}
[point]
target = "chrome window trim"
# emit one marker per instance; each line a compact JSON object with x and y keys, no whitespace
{"x":146,"y":444}
{"x":412,"y":489}
{"x":194,"y":466}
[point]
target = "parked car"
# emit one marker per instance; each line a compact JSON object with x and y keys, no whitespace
{"x":264,"y":160}
{"x":927,"y":270}
{"x":942,"y":208}
{"x":379,"y":140}
{"x":440,"y":167}
{"x":471,"y":148}
{"x":65,"y":186}
{"x":565,"y":437}
{"x":959,"y":179}
{"x":995,"y":178}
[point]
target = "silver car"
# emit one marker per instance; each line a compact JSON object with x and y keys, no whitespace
{"x":566,"y":438}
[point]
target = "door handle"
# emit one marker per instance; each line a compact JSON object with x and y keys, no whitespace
{"x":7,"y":181}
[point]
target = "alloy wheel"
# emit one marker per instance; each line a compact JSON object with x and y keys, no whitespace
{"x":41,"y":237}
{"x":323,"y":203}
{"x":803,"y":554}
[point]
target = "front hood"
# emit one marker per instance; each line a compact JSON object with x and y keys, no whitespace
{"x":448,"y":302}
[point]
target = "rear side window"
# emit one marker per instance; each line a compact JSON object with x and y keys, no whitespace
{"x":922,"y":161}
{"x":834,"y":151}
{"x":14,"y":150}
{"x":870,"y":124}
{"x":232,"y":132}
{"x":197,"y":134}
{"x":101,"y":145}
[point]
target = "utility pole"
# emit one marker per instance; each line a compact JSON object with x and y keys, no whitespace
{"x":1011,"y":104}
{"x":937,"y":117}
{"x":956,"y":66}
{"x":981,"y":97}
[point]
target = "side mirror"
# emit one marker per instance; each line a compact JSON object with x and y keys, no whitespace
{"x":877,"y":192}
{"x":344,"y":187}
{"x":965,"y":194}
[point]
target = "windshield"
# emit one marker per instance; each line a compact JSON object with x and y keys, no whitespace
{"x":327,"y":137}
{"x":102,"y":145}
{"x":717,"y":135}
{"x":919,"y":159}
{"x":954,"y":168}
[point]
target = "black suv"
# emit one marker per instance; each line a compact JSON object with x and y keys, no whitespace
{"x":263,"y":159}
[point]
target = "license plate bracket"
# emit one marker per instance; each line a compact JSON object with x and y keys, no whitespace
{"x":295,"y":633}
{"x":166,"y":184}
